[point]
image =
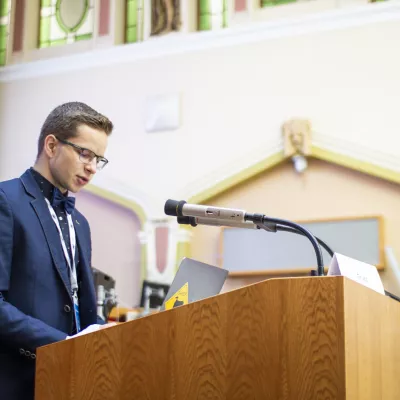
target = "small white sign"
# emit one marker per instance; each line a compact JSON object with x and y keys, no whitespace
{"x":162,"y":113}
{"x":358,"y":271}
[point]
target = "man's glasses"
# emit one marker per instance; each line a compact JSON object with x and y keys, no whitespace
{"x":85,"y":155}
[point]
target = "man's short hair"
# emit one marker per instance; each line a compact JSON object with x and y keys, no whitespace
{"x":64,"y":120}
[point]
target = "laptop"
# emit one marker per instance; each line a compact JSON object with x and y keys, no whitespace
{"x":194,"y":281}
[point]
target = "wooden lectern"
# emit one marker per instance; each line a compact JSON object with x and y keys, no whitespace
{"x":297,"y":338}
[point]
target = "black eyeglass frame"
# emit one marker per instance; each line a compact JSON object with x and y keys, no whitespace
{"x":101,"y":161}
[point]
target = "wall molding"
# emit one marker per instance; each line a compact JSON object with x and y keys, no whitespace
{"x":357,"y":151}
{"x":390,"y":174}
{"x":183,"y":42}
{"x":114,"y":197}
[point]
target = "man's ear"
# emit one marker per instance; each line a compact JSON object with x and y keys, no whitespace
{"x":50,"y":146}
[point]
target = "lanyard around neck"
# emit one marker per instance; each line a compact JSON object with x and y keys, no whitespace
{"x":71,"y":265}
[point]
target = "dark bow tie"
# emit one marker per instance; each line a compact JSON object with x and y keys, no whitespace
{"x":63,"y":201}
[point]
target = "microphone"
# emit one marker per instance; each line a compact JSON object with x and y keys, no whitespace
{"x":194,"y":221}
{"x":224,"y":215}
{"x":182,"y":209}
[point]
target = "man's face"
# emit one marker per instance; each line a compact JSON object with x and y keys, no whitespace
{"x":66,"y":166}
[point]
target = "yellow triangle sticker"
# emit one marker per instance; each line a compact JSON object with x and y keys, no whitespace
{"x":180,"y":298}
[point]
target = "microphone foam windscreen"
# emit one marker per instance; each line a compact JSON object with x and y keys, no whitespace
{"x":170,"y":207}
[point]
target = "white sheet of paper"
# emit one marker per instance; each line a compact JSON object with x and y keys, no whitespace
{"x":358,"y":271}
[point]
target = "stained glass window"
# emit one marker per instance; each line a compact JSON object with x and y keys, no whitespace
{"x":5,"y":11}
{"x":213,"y":14}
{"x":65,"y":21}
{"x":134,"y":21}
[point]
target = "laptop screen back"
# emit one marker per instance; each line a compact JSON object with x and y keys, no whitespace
{"x":194,"y":281}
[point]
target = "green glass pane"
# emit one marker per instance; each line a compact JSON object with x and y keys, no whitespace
{"x":204,"y":7}
{"x":268,"y":3}
{"x":58,"y":42}
{"x":204,"y":23}
{"x":3,"y":8}
{"x":205,"y":15}
{"x":204,"y":10}
{"x":44,"y":44}
{"x":3,"y":37}
{"x":2,"y":57}
{"x":45,"y":29}
{"x":86,"y":36}
{"x":131,"y":34}
{"x":132,"y":14}
{"x":46,"y":3}
{"x":225,"y":14}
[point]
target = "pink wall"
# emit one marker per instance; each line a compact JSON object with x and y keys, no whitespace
{"x":115,"y":243}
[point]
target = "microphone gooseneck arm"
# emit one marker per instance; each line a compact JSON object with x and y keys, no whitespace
{"x":234,"y":216}
{"x":250,"y":221}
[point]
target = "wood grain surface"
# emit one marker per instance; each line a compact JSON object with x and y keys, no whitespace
{"x":278,"y":339}
{"x":372,"y":344}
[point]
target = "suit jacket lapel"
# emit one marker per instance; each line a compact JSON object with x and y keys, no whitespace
{"x":49,"y":228}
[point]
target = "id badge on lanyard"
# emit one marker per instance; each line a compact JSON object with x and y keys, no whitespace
{"x":71,"y":263}
{"x":76,"y":311}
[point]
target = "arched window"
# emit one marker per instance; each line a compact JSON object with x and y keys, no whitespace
{"x":65,"y":21}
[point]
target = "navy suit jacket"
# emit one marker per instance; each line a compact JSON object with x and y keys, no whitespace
{"x":36,"y":307}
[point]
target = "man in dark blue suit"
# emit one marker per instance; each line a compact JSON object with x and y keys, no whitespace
{"x":46,"y":287}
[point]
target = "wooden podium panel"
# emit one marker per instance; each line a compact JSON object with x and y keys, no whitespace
{"x":372,"y":344}
{"x":297,"y":338}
